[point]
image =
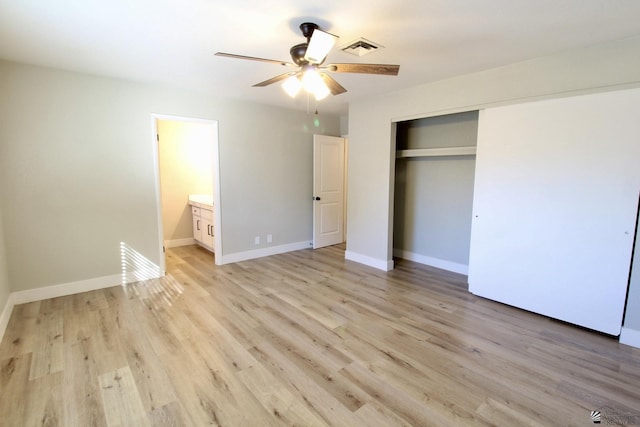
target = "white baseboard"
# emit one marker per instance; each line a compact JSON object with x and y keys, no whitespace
{"x":370,"y":261}
{"x":262,"y":252}
{"x":64,"y":289}
{"x":6,"y":314}
{"x":630,"y":337}
{"x":179,"y":242}
{"x":433,"y":262}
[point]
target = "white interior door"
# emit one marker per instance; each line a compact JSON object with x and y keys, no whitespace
{"x":328,"y":190}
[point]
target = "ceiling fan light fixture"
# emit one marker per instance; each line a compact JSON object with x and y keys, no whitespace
{"x":313,"y":83}
{"x":319,"y":46}
{"x":307,"y":58}
{"x":321,"y":92}
{"x":292,"y":86}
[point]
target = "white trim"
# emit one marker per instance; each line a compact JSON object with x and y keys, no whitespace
{"x":54,"y":291}
{"x":217,"y":196}
{"x":433,"y":262}
{"x":158,"y":193}
{"x":6,"y":315}
{"x":630,"y":337}
{"x":262,"y":252}
{"x":179,"y":242}
{"x":520,"y":100}
{"x":370,"y":261}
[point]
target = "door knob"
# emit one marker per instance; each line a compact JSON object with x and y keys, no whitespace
{"x":316,"y":198}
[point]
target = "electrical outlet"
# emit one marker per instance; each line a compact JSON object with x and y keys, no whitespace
{"x":257,"y":240}
{"x":269,"y":238}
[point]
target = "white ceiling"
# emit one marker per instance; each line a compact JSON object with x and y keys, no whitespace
{"x":174,"y":41}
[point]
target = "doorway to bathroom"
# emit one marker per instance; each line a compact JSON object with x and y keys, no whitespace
{"x":187,"y":170}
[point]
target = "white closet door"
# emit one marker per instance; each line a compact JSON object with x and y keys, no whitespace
{"x":555,"y":203}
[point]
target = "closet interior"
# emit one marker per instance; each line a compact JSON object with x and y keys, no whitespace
{"x":433,"y":195}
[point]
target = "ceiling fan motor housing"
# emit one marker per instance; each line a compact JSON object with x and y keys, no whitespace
{"x":297,"y":53}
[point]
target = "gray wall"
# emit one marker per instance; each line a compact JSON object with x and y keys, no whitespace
{"x":371,"y":136}
{"x":434,"y":195}
{"x":77,"y":171}
{"x":449,"y":130}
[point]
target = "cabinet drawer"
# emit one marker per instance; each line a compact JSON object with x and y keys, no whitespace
{"x":206,"y":214}
{"x":195,"y":210}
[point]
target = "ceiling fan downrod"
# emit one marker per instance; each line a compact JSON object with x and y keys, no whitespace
{"x":307,"y":29}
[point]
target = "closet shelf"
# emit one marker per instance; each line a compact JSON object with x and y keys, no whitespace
{"x":434,"y":152}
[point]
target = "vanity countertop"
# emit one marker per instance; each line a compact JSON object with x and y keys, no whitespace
{"x":201,"y":200}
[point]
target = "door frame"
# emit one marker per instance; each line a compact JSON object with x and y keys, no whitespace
{"x":216,"y":183}
{"x":346,"y":187}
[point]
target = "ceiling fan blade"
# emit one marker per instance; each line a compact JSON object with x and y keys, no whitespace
{"x":253,"y":58}
{"x":335,"y":87}
{"x":385,"y":69}
{"x":275,"y":79}
{"x":319,"y":46}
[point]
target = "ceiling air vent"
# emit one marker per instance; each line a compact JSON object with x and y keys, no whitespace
{"x":361,"y":47}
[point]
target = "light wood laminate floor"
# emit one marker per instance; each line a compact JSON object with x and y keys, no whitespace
{"x":308,"y":339}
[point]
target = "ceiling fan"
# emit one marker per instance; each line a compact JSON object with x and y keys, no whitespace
{"x":309,"y":73}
